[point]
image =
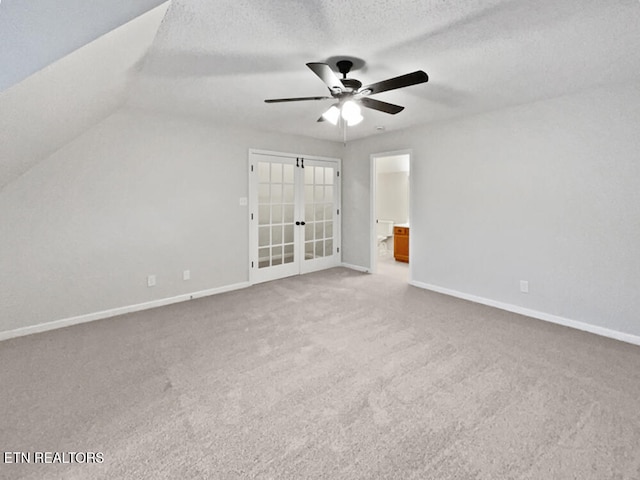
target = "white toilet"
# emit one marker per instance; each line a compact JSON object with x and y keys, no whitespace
{"x":384,"y":231}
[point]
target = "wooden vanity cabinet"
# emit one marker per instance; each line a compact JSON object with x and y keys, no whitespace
{"x":401,"y":244}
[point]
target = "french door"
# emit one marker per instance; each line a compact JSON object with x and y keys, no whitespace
{"x":294,"y":214}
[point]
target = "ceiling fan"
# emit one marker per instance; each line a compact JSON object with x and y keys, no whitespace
{"x":350,"y":93}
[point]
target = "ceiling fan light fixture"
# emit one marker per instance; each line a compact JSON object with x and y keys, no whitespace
{"x":332,"y":115}
{"x":350,"y":95}
{"x":351,"y":113}
{"x":355,"y":120}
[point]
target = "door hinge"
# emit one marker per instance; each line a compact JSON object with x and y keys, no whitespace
{"x":338,"y":211}
{"x":251,"y":264}
{"x":338,"y":173}
{"x":338,"y":249}
{"x":252,"y":168}
{"x":252,"y":216}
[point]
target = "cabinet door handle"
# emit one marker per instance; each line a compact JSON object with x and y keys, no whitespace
{"x":297,"y":223}
{"x":302,"y":223}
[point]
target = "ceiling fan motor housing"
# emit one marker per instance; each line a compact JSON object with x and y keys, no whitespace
{"x":344,"y":67}
{"x":351,"y":84}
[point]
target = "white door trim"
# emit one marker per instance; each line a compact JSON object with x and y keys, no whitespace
{"x":290,"y":155}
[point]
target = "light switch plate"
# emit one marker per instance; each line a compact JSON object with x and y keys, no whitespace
{"x":243,"y":201}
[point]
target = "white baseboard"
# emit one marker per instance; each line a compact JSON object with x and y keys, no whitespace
{"x":356,"y":267}
{"x":547,"y":317}
{"x":90,"y":317}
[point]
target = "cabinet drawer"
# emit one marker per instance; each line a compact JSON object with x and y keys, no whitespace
{"x":400,"y":231}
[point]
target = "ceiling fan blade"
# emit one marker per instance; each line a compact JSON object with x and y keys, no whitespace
{"x":299,"y":99}
{"x":381,"y":106}
{"x":327,"y":75}
{"x":402,"y":81}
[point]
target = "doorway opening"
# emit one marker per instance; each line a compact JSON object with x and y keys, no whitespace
{"x":390,"y":214}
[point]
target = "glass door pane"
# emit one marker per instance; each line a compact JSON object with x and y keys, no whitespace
{"x":320,"y":214}
{"x":273,"y":184}
{"x":276,"y":202}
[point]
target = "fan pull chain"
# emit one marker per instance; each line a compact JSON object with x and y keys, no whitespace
{"x":344,"y":132}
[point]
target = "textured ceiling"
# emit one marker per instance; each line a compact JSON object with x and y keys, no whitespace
{"x":220,"y":59}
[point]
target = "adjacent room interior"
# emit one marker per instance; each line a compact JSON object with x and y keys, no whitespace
{"x":317,"y":240}
{"x":391,"y":192}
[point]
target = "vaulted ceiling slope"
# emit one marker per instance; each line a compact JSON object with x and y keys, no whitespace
{"x":36,"y":33}
{"x":220,"y":59}
{"x":56,"y":104}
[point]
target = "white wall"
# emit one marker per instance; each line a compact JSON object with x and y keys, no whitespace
{"x":138,"y":194}
{"x":392,"y":196}
{"x":547,"y":192}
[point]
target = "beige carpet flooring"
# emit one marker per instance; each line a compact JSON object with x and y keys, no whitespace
{"x":332,"y":375}
{"x":389,"y":267}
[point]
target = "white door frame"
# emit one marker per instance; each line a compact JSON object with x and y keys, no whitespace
{"x":252,"y":215}
{"x":373,"y":234}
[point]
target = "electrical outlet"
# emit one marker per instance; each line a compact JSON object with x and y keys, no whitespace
{"x":151,"y":281}
{"x":186,"y":275}
{"x":524,"y":286}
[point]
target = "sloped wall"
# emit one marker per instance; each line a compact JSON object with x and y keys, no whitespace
{"x":63,"y":100}
{"x":138,"y":194}
{"x":37,"y":33}
{"x":546,"y":192}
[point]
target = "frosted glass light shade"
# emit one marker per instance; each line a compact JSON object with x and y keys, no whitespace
{"x":354,"y":120}
{"x":332,"y":115}
{"x":350,"y":111}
